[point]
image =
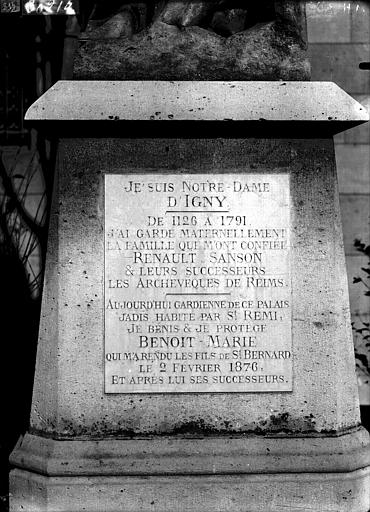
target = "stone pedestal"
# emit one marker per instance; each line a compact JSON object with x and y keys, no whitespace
{"x":295,"y":444}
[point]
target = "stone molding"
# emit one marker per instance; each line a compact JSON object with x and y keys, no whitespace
{"x":175,"y":456}
{"x":197,"y":101}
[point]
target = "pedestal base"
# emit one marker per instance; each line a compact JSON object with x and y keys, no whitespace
{"x":249,"y":474}
{"x":305,"y":492}
{"x":295,"y":448}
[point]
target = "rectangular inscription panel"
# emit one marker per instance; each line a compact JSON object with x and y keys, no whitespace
{"x":197,"y":283}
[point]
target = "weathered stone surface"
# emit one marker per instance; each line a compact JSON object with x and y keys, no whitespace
{"x":185,"y":13}
{"x":171,"y":455}
{"x":193,"y":40}
{"x":297,"y":451}
{"x":323,"y":399}
{"x":299,"y":492}
{"x":229,"y":22}
{"x":120,"y":25}
{"x":291,"y":14}
{"x":309,"y":102}
{"x":166,"y":52}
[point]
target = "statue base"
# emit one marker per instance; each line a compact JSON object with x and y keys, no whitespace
{"x":254,"y":474}
{"x":299,"y":448}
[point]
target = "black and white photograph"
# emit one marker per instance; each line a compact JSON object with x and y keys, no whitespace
{"x":10,"y":6}
{"x":50,"y":7}
{"x":185,"y":255}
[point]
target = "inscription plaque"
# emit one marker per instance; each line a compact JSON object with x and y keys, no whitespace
{"x":197,"y":283}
